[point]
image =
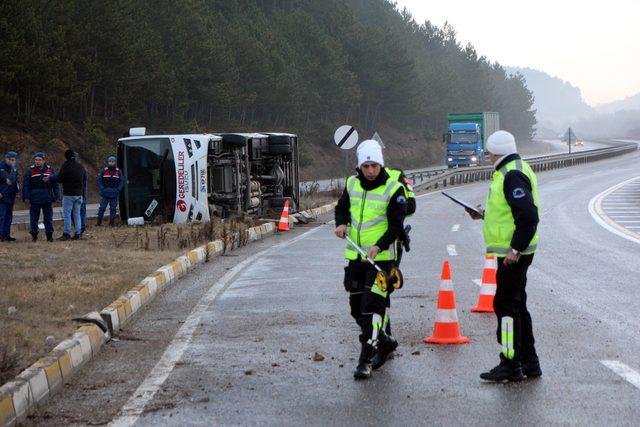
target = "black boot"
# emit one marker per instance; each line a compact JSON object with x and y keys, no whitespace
{"x":34,"y":237}
{"x":363,"y":370}
{"x":112,"y":222}
{"x":64,"y":237}
{"x":99,"y":222}
{"x":531,"y":367}
{"x":9,"y":239}
{"x":386,"y":345}
{"x":49,"y":237}
{"x":507,"y":370}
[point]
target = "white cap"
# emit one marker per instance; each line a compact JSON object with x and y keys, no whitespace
{"x":501,"y":143}
{"x":370,"y":151}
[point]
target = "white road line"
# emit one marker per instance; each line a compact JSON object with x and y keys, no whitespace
{"x":452,"y":250}
{"x":455,"y":227}
{"x":477,"y":282}
{"x":598,"y":214}
{"x":624,"y":371}
{"x":134,"y":407}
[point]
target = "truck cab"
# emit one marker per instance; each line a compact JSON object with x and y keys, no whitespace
{"x":466,"y":136}
{"x":464,"y":145}
{"x":184,"y":178}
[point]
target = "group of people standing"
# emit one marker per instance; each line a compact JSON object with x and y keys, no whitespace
{"x":41,"y":190}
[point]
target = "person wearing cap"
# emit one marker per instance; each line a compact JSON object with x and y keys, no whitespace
{"x":511,"y":234}
{"x":110,"y":183}
{"x":371,"y":212}
{"x":8,"y":190}
{"x":72,"y":176}
{"x":40,"y":191}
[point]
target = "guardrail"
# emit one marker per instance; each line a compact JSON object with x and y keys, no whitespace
{"x":425,"y":180}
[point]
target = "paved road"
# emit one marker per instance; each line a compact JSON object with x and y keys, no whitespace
{"x":22,"y":216}
{"x":250,"y":359}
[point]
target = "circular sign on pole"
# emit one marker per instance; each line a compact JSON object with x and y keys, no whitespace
{"x":346,"y":137}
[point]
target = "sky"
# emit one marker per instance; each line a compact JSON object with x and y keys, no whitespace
{"x":594,"y":45}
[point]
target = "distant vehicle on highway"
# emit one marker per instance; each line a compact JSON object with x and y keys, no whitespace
{"x":466,"y":135}
{"x":184,"y":178}
{"x":579,"y":143}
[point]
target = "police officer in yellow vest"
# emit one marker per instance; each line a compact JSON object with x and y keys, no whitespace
{"x":371,"y":212}
{"x":511,"y":234}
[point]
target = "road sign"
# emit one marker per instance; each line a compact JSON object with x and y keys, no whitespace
{"x":376,"y":137}
{"x":346,"y":137}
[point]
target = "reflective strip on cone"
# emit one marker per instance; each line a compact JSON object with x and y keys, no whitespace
{"x":446,"y":285}
{"x":447,"y":316}
{"x":488,"y":290}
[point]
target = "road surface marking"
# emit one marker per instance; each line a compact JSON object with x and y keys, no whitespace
{"x":477,"y":282}
{"x":624,"y":371}
{"x":601,"y":216}
{"x":452,"y":250}
{"x":136,"y":404}
{"x":455,"y":227}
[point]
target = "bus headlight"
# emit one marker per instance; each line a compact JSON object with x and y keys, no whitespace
{"x":474,"y":159}
{"x":449,"y":159}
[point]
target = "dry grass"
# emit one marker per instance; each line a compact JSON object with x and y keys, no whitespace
{"x":49,"y":283}
{"x":313,"y":198}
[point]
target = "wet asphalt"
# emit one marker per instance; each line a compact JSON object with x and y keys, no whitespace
{"x":251,"y":359}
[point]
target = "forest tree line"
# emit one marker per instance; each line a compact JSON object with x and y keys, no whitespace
{"x":205,"y":65}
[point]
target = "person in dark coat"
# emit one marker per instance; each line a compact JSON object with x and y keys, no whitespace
{"x":8,"y":190}
{"x":110,"y":183}
{"x":72,"y":176}
{"x":40,"y":191}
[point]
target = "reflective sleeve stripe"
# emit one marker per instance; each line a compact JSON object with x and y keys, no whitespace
{"x":488,"y":290}
{"x":504,"y":251}
{"x":351,"y":184}
{"x":504,"y":170}
{"x":446,"y":316}
{"x":507,"y":337}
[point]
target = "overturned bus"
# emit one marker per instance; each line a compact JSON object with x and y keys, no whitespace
{"x":183,"y":178}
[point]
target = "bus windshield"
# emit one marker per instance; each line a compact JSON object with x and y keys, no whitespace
{"x":150,"y":190}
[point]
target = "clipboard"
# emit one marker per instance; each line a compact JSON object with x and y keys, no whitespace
{"x":463,"y":204}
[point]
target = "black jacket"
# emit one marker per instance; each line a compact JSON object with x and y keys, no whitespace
{"x":396,"y":211}
{"x":517,"y":191}
{"x":72,"y":176}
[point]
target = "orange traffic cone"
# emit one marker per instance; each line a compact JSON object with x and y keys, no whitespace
{"x":283,"y":225}
{"x":446,"y":329}
{"x":487,"y":287}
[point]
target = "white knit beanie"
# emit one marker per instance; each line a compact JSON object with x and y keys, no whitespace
{"x":501,"y":143}
{"x":370,"y":151}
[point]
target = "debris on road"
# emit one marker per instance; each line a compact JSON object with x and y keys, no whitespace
{"x":317,"y":357}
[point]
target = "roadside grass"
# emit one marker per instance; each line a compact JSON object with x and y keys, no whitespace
{"x":50,"y":283}
{"x":312,"y":197}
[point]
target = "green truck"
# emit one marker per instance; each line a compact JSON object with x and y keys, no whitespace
{"x":466,"y":136}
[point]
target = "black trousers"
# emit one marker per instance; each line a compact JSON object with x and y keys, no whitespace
{"x":511,"y":300}
{"x":358,"y":279}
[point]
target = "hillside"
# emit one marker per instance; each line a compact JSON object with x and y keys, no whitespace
{"x":83,"y":71}
{"x":557,"y":102}
{"x":627,"y":104}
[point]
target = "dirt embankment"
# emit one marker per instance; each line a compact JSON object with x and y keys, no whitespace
{"x":44,"y":284}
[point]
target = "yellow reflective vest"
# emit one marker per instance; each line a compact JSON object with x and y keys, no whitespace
{"x":368,"y":212}
{"x":499,"y":224}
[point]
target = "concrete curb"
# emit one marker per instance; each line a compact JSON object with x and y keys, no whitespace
{"x":33,"y":387}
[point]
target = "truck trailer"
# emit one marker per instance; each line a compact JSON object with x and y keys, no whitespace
{"x":184,"y":178}
{"x":466,"y":136}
